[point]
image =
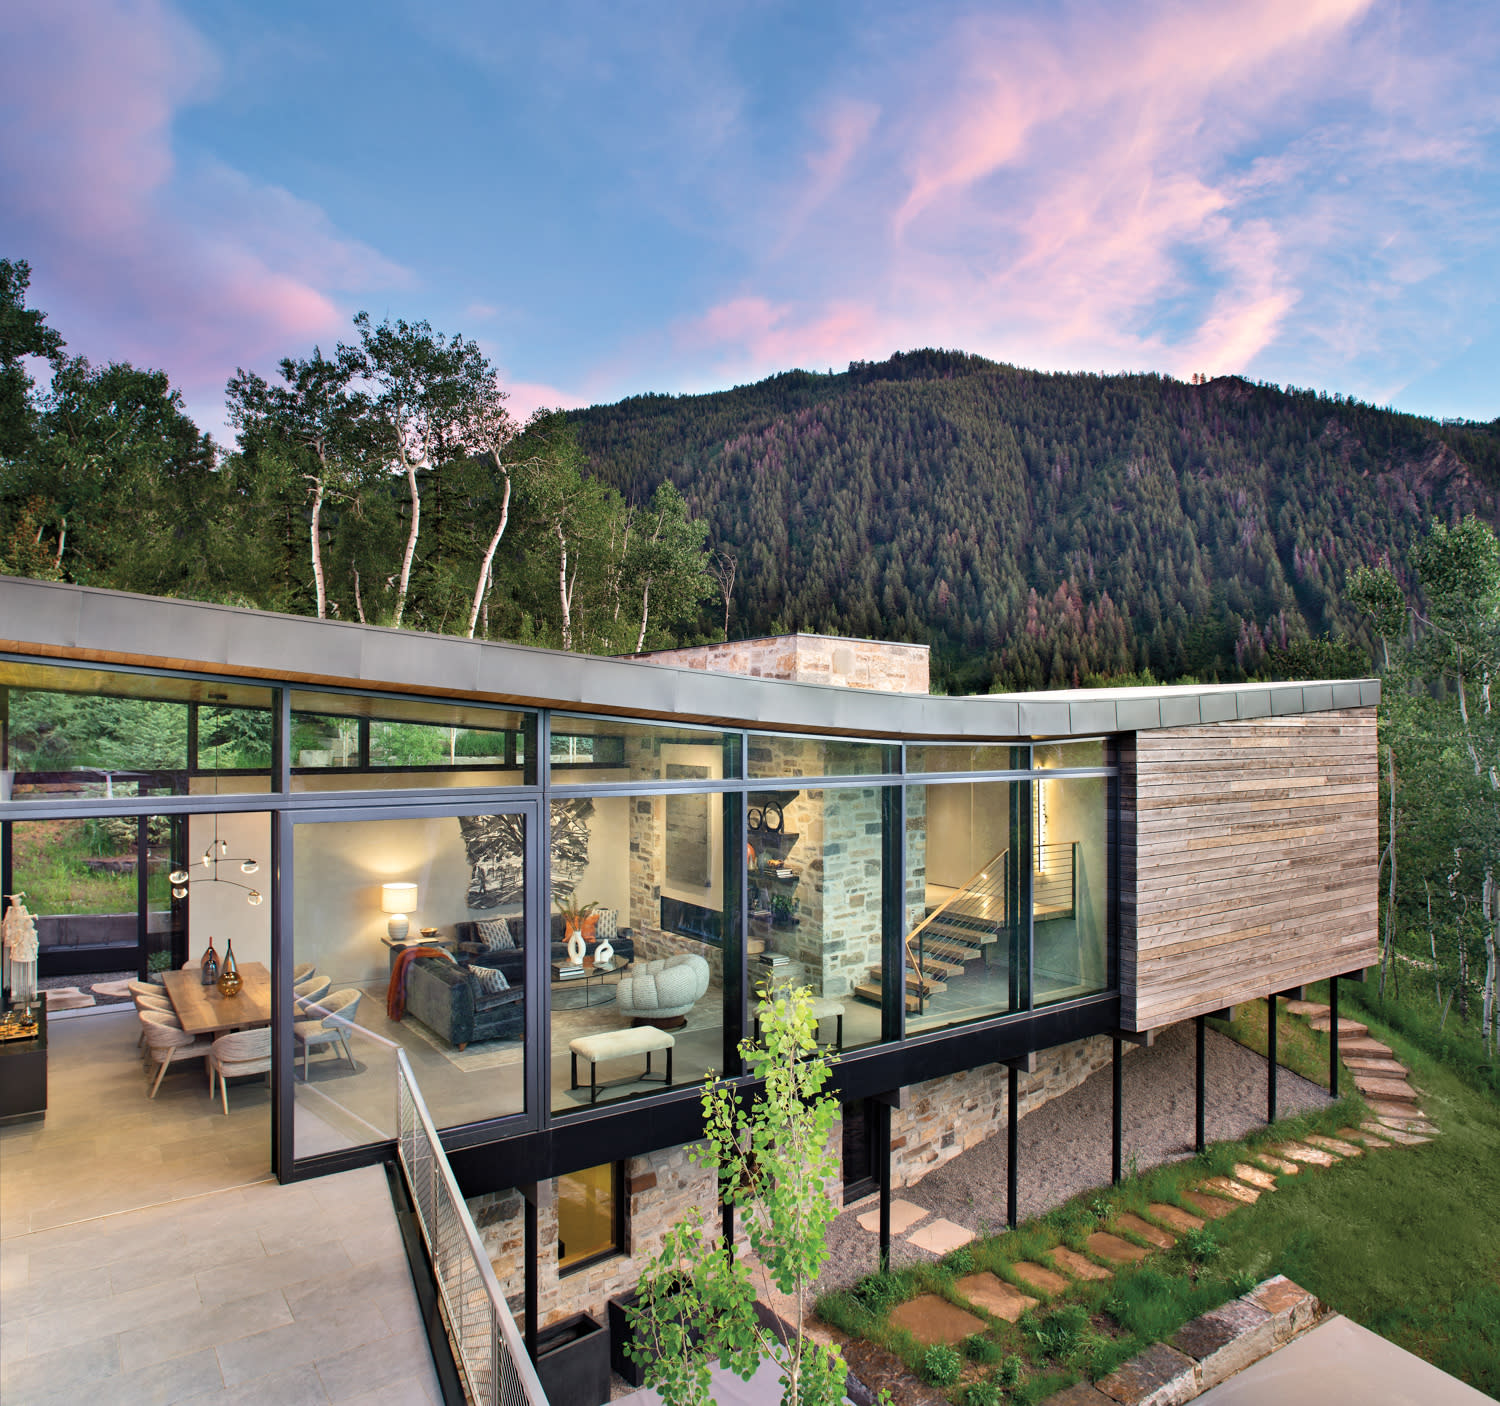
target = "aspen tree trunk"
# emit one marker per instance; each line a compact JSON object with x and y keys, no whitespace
{"x":317,"y":547}
{"x":489,"y":556}
{"x":564,"y":590}
{"x":411,"y":537}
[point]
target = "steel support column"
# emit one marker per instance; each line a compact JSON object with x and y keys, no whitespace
{"x":1012,"y":1143}
{"x":532,"y":1252}
{"x":1333,"y":1036}
{"x":1271,"y":1058}
{"x":1117,"y":1140}
{"x":883,"y":1171}
{"x":1201,"y":1024}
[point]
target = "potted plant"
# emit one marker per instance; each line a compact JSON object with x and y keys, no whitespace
{"x":783,"y":910}
{"x":574,"y":915}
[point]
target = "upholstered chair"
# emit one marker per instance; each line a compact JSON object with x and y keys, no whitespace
{"x":662,"y":992}
{"x":167,"y":1040}
{"x":313,"y":988}
{"x":302,"y":971}
{"x":329,"y":1024}
{"x":239,"y":1052}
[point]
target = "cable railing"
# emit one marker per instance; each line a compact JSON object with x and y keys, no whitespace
{"x":955,"y":931}
{"x":486,"y":1342}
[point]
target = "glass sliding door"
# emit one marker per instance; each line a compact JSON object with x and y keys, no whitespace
{"x":1070,"y":887}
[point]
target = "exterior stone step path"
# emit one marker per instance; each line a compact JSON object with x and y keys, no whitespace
{"x":1333,"y":1144}
{"x":1175,"y":1216}
{"x":1253,"y":1176}
{"x":1310,"y":1156}
{"x":1211,"y":1206}
{"x":1109,"y":1247}
{"x":995,"y":1296}
{"x":1278,"y":1164}
{"x":1359,"y":1135}
{"x":1162,"y":1239}
{"x":1396,"y":1135}
{"x":1366,"y":1045}
{"x":1236,"y":1190}
{"x":1071,"y":1262}
{"x":1324,"y":1023}
{"x":1047,"y":1281}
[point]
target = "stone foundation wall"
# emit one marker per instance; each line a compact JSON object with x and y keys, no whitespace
{"x":947,"y":1116}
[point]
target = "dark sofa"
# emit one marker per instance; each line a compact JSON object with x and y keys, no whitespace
{"x":445,"y":998}
{"x":512,"y":961}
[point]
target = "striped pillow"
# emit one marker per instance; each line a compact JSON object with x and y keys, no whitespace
{"x":495,"y":934}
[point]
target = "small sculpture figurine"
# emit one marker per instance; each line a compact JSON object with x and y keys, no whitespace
{"x":604,"y":955}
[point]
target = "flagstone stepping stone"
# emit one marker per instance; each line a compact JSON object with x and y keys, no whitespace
{"x":1253,"y":1176}
{"x":1128,"y":1220}
{"x":1041,"y":1278}
{"x":995,"y":1296}
{"x":1381,"y":1068}
{"x":1223,"y":1186}
{"x":1212,"y":1206}
{"x":940,"y":1236}
{"x":931,"y":1319}
{"x":1346,"y":1027}
{"x":1312,"y":1156}
{"x":1404,"y":1138}
{"x":1308,"y":1008}
{"x":1175,"y":1216}
{"x":67,"y":998}
{"x":1363,"y":1045}
{"x":1115,"y":1250}
{"x":904,"y":1215}
{"x":1369,"y":1139}
{"x":1280,"y":1164}
{"x":1073,"y":1263}
{"x":1393,"y":1090}
{"x":1332,"y":1144}
{"x":1409,"y":1125}
{"x":1385,"y":1108}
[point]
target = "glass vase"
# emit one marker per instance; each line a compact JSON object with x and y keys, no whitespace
{"x":210,"y":965}
{"x":229,"y":976}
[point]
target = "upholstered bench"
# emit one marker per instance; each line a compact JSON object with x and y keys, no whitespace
{"x":617,"y":1044}
{"x":822,"y":1009}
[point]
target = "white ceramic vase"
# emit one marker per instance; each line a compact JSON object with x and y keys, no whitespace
{"x":604,"y":954}
{"x":576,"y":948}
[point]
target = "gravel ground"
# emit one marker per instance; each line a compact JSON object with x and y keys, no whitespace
{"x":1065,"y":1144}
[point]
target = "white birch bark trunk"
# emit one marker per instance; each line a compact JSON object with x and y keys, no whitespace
{"x":411,"y":537}
{"x":489,"y":556}
{"x":317,"y":548}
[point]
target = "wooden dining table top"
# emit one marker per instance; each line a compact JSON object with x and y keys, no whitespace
{"x":204,"y":1011}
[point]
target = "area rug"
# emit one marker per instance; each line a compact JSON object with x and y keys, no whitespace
{"x":67,"y":998}
{"x":480,"y":1056}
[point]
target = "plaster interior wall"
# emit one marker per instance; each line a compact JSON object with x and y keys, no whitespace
{"x":220,"y":910}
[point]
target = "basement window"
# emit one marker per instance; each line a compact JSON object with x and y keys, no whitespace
{"x":590,"y":1216}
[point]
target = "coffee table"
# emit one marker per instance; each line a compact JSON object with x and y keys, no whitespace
{"x":597,"y":984}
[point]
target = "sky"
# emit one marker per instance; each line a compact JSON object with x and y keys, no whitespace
{"x":646,"y":196}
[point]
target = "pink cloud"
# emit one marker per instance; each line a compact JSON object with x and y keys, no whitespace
{"x":750,"y":334}
{"x":137,"y":255}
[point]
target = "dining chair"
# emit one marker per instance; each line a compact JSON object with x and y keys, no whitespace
{"x":335,"y":1016}
{"x":239,"y":1052}
{"x":167,"y":1040}
{"x":302,"y":971}
{"x":150,"y":999}
{"x":311,"y":989}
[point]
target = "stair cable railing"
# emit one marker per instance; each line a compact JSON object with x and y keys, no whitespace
{"x":487,"y":1344}
{"x":981,"y":898}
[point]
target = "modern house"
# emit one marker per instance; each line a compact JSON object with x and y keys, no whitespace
{"x":986,"y":895}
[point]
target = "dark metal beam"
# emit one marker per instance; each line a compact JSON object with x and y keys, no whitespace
{"x":1119,"y":1110}
{"x":1201,"y":1028}
{"x":1333,"y":1036}
{"x":1012,"y":1144}
{"x":532,"y":1252}
{"x":1271,"y":1058}
{"x":883,"y":1173}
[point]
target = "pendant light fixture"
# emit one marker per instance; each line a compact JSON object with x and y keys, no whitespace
{"x":216,"y":854}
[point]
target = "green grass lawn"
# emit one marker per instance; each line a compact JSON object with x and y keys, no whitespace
{"x":1404,"y":1240}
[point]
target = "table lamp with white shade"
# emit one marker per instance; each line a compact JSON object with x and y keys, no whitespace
{"x":398,"y":900}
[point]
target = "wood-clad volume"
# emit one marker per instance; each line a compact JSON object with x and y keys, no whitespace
{"x":1248,"y":855}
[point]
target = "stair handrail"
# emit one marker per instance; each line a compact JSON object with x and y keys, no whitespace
{"x":962,"y":891}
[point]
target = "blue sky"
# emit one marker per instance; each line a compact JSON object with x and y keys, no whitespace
{"x":654,"y":197}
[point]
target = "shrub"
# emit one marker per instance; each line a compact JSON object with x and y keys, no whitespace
{"x":1201,"y":1246}
{"x":1009,"y":1375}
{"x":941,"y":1365}
{"x":1060,"y":1333}
{"x":982,"y":1394}
{"x":961,"y":1261}
{"x":880,"y":1292}
{"x":978,"y":1348}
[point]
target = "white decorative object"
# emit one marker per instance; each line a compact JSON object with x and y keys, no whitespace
{"x":576,"y":949}
{"x":604,"y":955}
{"x":19,"y":935}
{"x":398,"y":900}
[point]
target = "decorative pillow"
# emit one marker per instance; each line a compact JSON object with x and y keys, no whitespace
{"x":495,"y":934}
{"x":591,"y":928}
{"x":607,"y":926}
{"x":489,"y":982}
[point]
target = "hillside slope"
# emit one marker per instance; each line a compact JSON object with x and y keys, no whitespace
{"x":1038,"y":529}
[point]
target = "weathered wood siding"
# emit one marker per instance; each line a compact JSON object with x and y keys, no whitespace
{"x":1248,"y":860}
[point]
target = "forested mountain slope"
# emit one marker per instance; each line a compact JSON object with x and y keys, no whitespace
{"x":1041,"y":529}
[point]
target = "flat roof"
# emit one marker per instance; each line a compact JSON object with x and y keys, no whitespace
{"x":82,"y":623}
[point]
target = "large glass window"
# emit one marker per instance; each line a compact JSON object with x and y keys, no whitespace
{"x":352,"y":741}
{"x":367,"y":891}
{"x":1070,"y":888}
{"x":586,"y":751}
{"x":590,"y":1216}
{"x":652,"y":883}
{"x":814,"y":863}
{"x":69,"y":733}
{"x":966,"y":932}
{"x":774,"y":756}
{"x":964,"y":756}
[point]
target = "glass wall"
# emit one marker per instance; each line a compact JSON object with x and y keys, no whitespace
{"x":1070,"y":888}
{"x":344,"y":741}
{"x":776,"y":755}
{"x":588,"y":751}
{"x":412,"y":934}
{"x":82,"y":734}
{"x":966,"y":932}
{"x":814,"y":860}
{"x":652,"y":883}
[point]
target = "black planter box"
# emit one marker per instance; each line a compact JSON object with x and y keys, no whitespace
{"x":572,"y":1360}
{"x":620,"y":1337}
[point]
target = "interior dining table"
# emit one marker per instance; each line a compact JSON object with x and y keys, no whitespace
{"x":205,"y":1010}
